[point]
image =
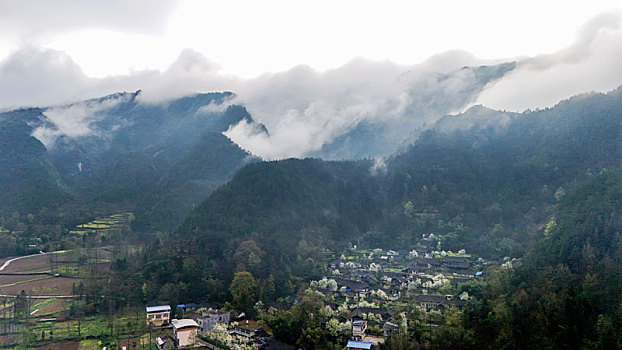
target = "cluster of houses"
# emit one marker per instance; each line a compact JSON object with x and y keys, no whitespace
{"x":418,"y":275}
{"x":186,"y":332}
{"x":393,"y":274}
{"x":421,"y":275}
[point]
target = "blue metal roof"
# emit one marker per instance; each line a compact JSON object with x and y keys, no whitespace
{"x":354,"y":344}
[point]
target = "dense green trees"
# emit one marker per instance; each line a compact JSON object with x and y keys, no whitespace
{"x":244,"y":291}
{"x":568,"y":293}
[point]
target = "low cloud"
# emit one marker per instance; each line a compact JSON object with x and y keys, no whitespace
{"x":305,"y":110}
{"x":213,"y":108}
{"x":32,"y":77}
{"x":74,"y":120}
{"x":43,"y":77}
{"x":591,"y":63}
{"x":379,"y":167}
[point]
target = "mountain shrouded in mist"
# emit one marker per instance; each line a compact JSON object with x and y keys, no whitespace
{"x":117,"y":152}
{"x":162,"y":158}
{"x":483,"y":180}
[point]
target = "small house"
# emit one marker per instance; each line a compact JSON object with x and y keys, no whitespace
{"x":209,"y":319}
{"x":439,"y":301}
{"x":158,"y":315}
{"x":358,"y":329}
{"x":185,"y":331}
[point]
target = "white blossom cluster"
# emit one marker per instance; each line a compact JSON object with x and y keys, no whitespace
{"x":412,"y":254}
{"x":221,"y":335}
{"x":437,"y":282}
{"x":325,"y":283}
{"x":336,"y":328}
{"x":349,"y":265}
{"x":380,"y":294}
{"x":365,"y":303}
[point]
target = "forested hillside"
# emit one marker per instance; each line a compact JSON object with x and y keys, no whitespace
{"x":488,"y":186}
{"x":117,"y":153}
{"x":567,"y":294}
{"x":540,"y":188}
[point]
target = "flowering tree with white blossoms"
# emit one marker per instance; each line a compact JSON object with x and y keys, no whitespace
{"x":373,"y":267}
{"x":221,"y":336}
{"x":412,"y":254}
{"x":336,"y":328}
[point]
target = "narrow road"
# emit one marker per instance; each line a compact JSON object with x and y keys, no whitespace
{"x":40,"y":296}
{"x":8,"y":262}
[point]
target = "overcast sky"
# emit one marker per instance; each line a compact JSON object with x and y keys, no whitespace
{"x":248,"y":38}
{"x":61,"y":51}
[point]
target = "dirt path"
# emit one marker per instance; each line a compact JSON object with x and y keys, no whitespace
{"x":8,"y":262}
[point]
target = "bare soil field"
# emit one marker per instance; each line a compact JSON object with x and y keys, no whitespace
{"x":7,"y":280}
{"x":48,"y":286}
{"x":37,"y":263}
{"x":61,"y":346}
{"x":37,"y":284}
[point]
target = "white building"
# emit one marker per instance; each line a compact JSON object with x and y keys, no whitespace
{"x":158,"y":315}
{"x":209,"y":319}
{"x":185,"y":331}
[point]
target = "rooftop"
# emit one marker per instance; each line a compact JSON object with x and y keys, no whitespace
{"x":184,"y":322}
{"x":159,"y":308}
{"x":354,"y":344}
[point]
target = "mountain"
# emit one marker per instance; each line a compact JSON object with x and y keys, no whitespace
{"x":483,"y":180}
{"x":425,"y":98}
{"x":28,"y":178}
{"x":118,"y":153}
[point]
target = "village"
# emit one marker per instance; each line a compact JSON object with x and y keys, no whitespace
{"x":366,"y":294}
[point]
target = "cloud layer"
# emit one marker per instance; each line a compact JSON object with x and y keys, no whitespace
{"x":591,"y":63}
{"x":29,"y":20}
{"x":305,"y":110}
{"x":73,"y":120}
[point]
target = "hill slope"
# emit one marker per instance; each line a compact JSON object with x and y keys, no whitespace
{"x":483,"y":180}
{"x":116,"y":153}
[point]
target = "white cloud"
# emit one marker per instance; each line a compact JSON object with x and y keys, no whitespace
{"x":591,"y":63}
{"x":302,"y":108}
{"x":305,"y":109}
{"x":213,"y":107}
{"x":73,"y":120}
{"x":379,"y":167}
{"x":31,"y":77}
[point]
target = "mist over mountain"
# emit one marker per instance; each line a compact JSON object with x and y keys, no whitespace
{"x":362,"y":109}
{"x":426,"y":99}
{"x":115,"y":151}
{"x":160,"y":158}
{"x":483,"y":179}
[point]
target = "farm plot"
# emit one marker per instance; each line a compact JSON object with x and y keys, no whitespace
{"x":50,"y":307}
{"x":105,"y":227}
{"x":29,"y":264}
{"x":43,"y":274}
{"x":48,"y":285}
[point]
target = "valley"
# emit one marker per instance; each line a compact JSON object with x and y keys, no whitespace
{"x":448,"y":243}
